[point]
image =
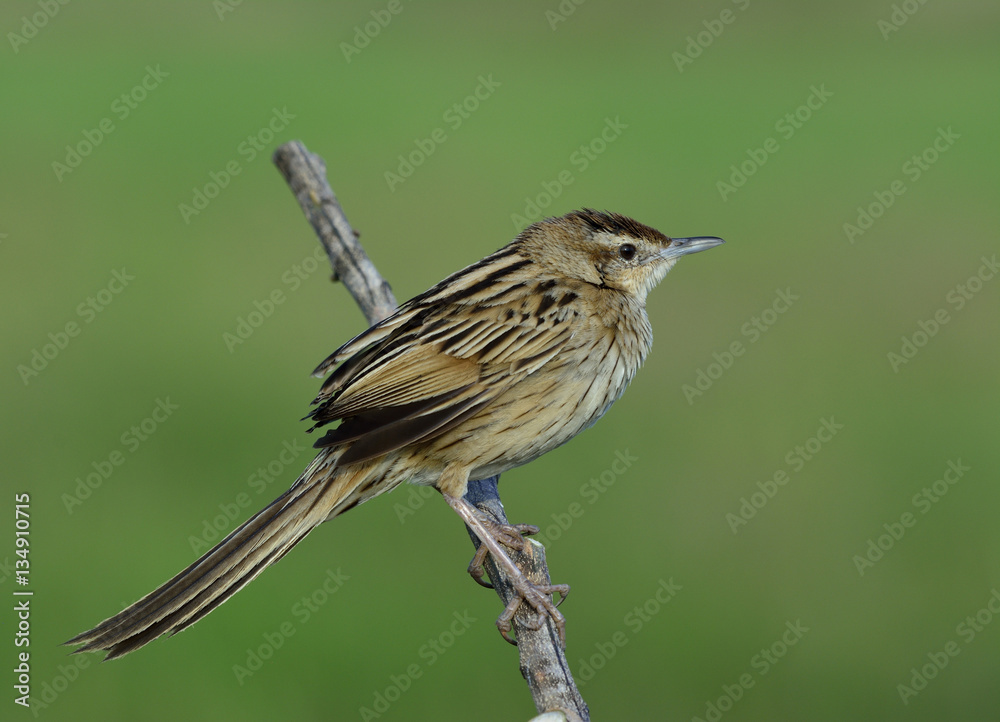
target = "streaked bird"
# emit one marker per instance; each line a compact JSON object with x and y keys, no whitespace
{"x":488,"y":370}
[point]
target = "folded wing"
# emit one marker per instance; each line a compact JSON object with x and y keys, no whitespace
{"x":428,"y":368}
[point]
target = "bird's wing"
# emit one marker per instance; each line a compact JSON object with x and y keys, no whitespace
{"x":485,"y":282}
{"x":437,"y":363}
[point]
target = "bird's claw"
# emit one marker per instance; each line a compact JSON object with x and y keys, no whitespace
{"x":539,"y":597}
{"x":510,"y":535}
{"x":476,"y":569}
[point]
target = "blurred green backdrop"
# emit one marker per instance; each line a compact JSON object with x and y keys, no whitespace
{"x":771,"y":124}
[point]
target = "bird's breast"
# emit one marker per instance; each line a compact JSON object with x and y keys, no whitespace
{"x":550,"y":406}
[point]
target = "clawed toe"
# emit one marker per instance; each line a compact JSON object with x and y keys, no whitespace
{"x":539,"y":597}
{"x":476,"y":569}
{"x":510,"y":535}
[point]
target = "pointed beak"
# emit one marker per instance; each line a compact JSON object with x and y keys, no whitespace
{"x":682,"y":246}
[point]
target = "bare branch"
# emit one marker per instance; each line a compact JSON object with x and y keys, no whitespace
{"x":305,"y":173}
{"x":543,"y":662}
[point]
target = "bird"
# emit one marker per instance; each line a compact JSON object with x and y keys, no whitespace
{"x":489,"y":369}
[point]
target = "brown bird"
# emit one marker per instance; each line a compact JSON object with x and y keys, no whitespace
{"x":488,"y":370}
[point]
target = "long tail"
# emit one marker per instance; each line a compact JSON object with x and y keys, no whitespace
{"x":319,"y":494}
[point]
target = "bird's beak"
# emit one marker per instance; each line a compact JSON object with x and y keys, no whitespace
{"x":682,"y":246}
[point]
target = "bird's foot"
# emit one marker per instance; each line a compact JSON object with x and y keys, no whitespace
{"x":492,"y":536}
{"x":539,"y":596}
{"x":510,"y":535}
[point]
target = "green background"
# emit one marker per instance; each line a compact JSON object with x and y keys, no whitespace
{"x":696,"y":457}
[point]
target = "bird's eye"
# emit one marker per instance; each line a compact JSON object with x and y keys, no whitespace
{"x":626,"y":251}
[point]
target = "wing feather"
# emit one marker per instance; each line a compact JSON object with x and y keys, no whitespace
{"x":440,"y":359}
{"x":409,"y":377}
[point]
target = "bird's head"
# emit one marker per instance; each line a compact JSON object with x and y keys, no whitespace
{"x":608,"y":250}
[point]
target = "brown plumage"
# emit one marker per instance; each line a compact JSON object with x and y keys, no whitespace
{"x":488,"y":370}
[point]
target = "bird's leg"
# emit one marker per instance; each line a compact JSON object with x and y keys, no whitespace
{"x":536,"y":595}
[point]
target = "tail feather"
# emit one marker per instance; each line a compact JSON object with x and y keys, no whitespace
{"x":234,"y":562}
